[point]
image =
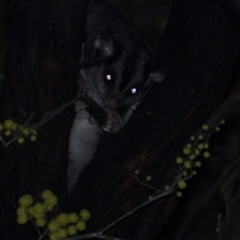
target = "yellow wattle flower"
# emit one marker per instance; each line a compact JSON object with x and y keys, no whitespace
{"x":8,"y":123}
{"x":149,"y":178}
{"x":25,"y":200}
{"x":179,"y":194}
{"x":85,"y":214}
{"x":73,"y":217}
{"x":22,"y":219}
{"x":62,"y":232}
{"x":20,"y":140}
{"x":72,"y":230}
{"x":40,"y":222}
{"x":182,"y":184}
{"x":198,"y":164}
{"x":33,"y":138}
{"x":186,"y":150}
{"x":21,"y":211}
{"x":39,"y":208}
{"x":8,"y":132}
{"x":205,"y":127}
{"x":50,"y":200}
{"x":179,"y":160}
{"x":81,"y":225}
{"x":187,"y":164}
{"x":25,"y":131}
{"x":53,"y":226}
{"x":62,"y":219}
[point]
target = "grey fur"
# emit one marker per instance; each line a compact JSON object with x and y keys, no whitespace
{"x":125,"y":58}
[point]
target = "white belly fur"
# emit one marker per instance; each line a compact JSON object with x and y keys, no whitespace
{"x":84,"y":138}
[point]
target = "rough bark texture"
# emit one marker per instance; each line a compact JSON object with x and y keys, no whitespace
{"x":200,"y":47}
{"x":36,"y":82}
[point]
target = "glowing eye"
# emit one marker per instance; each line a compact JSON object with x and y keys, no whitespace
{"x":108,"y":77}
{"x":133,"y":90}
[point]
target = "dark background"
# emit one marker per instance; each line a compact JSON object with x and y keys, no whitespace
{"x":200,"y":46}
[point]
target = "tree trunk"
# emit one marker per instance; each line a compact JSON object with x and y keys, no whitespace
{"x":36,"y":82}
{"x":200,"y":47}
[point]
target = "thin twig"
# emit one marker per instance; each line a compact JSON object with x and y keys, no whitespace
{"x":35,"y":226}
{"x":147,"y":185}
{"x":100,"y":235}
{"x":93,"y":235}
{"x":135,"y":210}
{"x":45,"y":232}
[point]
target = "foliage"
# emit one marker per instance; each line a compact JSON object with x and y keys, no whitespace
{"x":57,"y":228}
{"x":11,"y":131}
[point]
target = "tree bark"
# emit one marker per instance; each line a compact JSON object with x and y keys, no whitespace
{"x":36,"y":82}
{"x":200,"y":47}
